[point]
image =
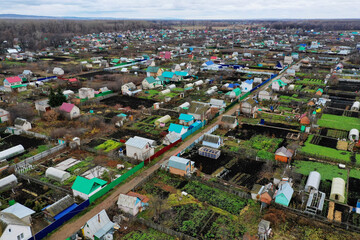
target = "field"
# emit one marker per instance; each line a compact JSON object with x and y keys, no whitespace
{"x":327,"y":171}
{"x":339,"y":122}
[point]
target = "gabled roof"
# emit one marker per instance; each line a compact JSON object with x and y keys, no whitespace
{"x":286,"y":190}
{"x":186,"y":117}
{"x":143,"y":198}
{"x":173,"y":137}
{"x":100,"y":224}
{"x":66,"y":107}
{"x":211,"y":138}
{"x":249,"y":81}
{"x":178,"y":162}
{"x":9,"y":219}
{"x":181,"y":73}
{"x":229,"y":119}
{"x":198,"y":108}
{"x":216,"y":102}
{"x":20,"y":121}
{"x":150,"y":80}
{"x":284,"y":152}
{"x":281,"y":83}
{"x":127,"y":201}
{"x":139,"y":142}
{"x":176,"y":128}
{"x":152,"y":69}
{"x":19,"y":210}
{"x":13,"y":79}
{"x":87,"y":186}
{"x":168,"y":74}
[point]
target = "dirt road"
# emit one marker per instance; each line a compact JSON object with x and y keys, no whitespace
{"x":69,"y":228}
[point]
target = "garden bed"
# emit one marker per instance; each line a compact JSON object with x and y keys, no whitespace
{"x":339,"y":122}
{"x":127,"y":101}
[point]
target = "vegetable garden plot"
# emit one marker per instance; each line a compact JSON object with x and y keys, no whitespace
{"x":354,"y":191}
{"x":340,"y":104}
{"x":13,"y":140}
{"x":324,"y":141}
{"x":95,"y":142}
{"x":124,"y":133}
{"x":346,"y":86}
{"x":334,"y":133}
{"x":247,"y":131}
{"x":127,"y":101}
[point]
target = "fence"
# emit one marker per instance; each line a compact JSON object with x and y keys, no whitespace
{"x":34,"y":134}
{"x":162,"y":151}
{"x":39,"y":156}
{"x":192,"y":130}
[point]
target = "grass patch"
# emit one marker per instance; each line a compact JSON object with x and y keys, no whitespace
{"x":327,"y":171}
{"x":339,"y":122}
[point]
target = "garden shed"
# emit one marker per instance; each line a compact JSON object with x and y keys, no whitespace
{"x":313,"y":181}
{"x":9,"y":181}
{"x":354,"y":134}
{"x":337,"y":192}
{"x":163,"y":119}
{"x":284,"y":194}
{"x":57,"y":174}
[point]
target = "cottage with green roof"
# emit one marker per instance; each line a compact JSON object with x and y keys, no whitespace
{"x":153,"y":71}
{"x":151,"y":83}
{"x":84,"y":187}
{"x":278,"y":85}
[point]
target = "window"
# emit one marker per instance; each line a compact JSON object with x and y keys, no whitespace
{"x":20,"y":237}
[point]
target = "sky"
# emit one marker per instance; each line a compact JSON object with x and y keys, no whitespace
{"x":185,"y":9}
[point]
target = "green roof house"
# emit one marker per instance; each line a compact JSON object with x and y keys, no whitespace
{"x":278,"y":85}
{"x":84,"y":187}
{"x":151,"y":83}
{"x":153,"y":71}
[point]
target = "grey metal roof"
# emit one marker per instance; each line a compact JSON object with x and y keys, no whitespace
{"x":19,"y":210}
{"x":211,"y":138}
{"x":228,"y":119}
{"x":139,"y":142}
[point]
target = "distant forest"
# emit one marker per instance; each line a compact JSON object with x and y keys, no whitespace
{"x":36,"y":34}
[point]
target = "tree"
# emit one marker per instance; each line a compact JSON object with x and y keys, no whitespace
{"x":51,"y":116}
{"x":56,"y":99}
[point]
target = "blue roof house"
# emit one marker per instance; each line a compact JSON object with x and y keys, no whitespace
{"x":186,"y":119}
{"x":179,"y":129}
{"x":247,"y":85}
{"x":168,"y":75}
{"x":284,"y":194}
{"x":211,"y":140}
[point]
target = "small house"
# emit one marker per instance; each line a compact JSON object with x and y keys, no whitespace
{"x":278,"y":85}
{"x":248,"y":107}
{"x":288,"y":60}
{"x":98,"y":227}
{"x":22,"y":212}
{"x":284,"y":194}
{"x":180,"y":166}
{"x":60,"y":208}
{"x":319,"y":92}
{"x":186,"y":119}
{"x":13,"y":227}
{"x":177,"y":128}
{"x":304,"y":120}
{"x":265,"y":94}
{"x":199,"y":110}
{"x":4,"y":115}
{"x":217,"y":103}
{"x":211,"y":140}
{"x":313,"y":181}
{"x":229,"y":122}
{"x":266,"y":194}
{"x":247,"y":85}
{"x":57,"y":174}
{"x":14,"y":83}
{"x":169,"y":76}
{"x":86,"y":93}
{"x":84,"y":188}
{"x":283,"y":155}
{"x":140,"y":148}
{"x":153,"y":71}
{"x":180,"y":75}
{"x":70,"y":110}
{"x":151,"y":83}
{"x":132,"y":204}
{"x":337,"y":192}
{"x":22,"y":124}
{"x":42,"y":105}
{"x":170,"y":138}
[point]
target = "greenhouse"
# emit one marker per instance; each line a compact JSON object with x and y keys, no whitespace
{"x":57,"y":174}
{"x":209,"y":152}
{"x":313,"y":181}
{"x":11,"y":152}
{"x":9,"y":181}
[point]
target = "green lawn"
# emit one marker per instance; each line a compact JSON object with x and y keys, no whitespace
{"x":339,"y":122}
{"x":327,"y":152}
{"x":108,"y":145}
{"x":327,"y":171}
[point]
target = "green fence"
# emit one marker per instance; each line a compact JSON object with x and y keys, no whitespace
{"x":116,"y":182}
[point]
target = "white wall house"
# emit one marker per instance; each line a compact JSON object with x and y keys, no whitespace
{"x":70,"y":110}
{"x":86,"y":93}
{"x":140,"y":148}
{"x":13,"y":228}
{"x":84,"y":188}
{"x":20,"y":211}
{"x":22,"y":124}
{"x":98,"y":227}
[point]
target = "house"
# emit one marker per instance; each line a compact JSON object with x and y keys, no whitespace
{"x":266,"y":194}
{"x":248,"y":107}
{"x":86,"y":93}
{"x":284,"y":194}
{"x":264,"y":230}
{"x":313,"y":181}
{"x":177,"y":128}
{"x":217,"y":103}
{"x":229,"y":122}
{"x":288,"y":60}
{"x":247,"y":85}
{"x":265,"y":94}
{"x":60,"y":208}
{"x":14,"y":83}
{"x":13,"y":227}
{"x":20,"y":211}
{"x":42,"y":105}
{"x":131,"y":203}
{"x":153,"y":71}
{"x":211,"y":140}
{"x":337,"y":192}
{"x":168,"y":76}
{"x":235,"y":93}
{"x":283,"y":155}
{"x":199,"y":110}
{"x":140,"y":148}
{"x":180,"y":75}
{"x":170,"y":138}
{"x":186,"y":119}
{"x":151,"y":83}
{"x":4,"y":115}
{"x":319,"y":92}
{"x":22,"y":124}
{"x":98,"y":227}
{"x":176,"y":68}
{"x":165,"y":55}
{"x":58,"y":71}
{"x":278,"y":85}
{"x":84,"y":188}
{"x":180,"y":166}
{"x":128,"y":87}
{"x":70,"y":110}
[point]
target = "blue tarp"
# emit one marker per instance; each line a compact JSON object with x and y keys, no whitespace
{"x":66,"y":211}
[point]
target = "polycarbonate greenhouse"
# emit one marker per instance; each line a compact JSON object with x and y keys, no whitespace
{"x":209,"y":152}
